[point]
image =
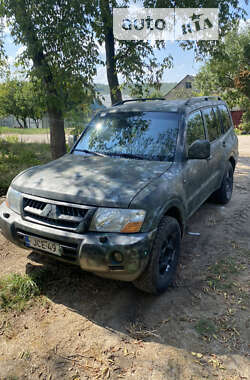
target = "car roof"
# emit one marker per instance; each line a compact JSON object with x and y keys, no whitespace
{"x":151,"y":105}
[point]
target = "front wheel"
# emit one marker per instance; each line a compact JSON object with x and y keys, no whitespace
{"x":162,"y":266}
{"x":224,"y":193}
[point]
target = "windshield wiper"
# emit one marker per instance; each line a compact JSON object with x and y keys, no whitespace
{"x":90,"y":152}
{"x":128,"y":155}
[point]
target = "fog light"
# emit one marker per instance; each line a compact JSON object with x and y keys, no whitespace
{"x":118,"y":257}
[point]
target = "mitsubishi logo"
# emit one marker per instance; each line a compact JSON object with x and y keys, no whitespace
{"x":50,"y":211}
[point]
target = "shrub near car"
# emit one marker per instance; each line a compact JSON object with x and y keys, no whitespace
{"x":117,"y":204}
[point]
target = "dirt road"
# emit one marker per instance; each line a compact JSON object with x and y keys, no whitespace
{"x":41,"y":138}
{"x":90,"y":328}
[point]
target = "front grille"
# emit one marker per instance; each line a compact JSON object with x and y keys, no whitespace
{"x":57,"y":214}
{"x":69,"y":249}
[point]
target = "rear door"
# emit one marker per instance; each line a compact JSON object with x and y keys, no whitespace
{"x":216,"y":161}
{"x":229,"y":139}
{"x":195,"y":171}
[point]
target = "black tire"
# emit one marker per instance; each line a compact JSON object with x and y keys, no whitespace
{"x":224,"y":193}
{"x":161,"y":269}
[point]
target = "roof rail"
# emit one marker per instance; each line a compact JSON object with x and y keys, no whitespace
{"x":136,"y":100}
{"x":201,"y":98}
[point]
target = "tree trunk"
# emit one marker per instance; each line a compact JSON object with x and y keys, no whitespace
{"x":24,"y":123}
{"x":36,"y":122}
{"x":56,"y":122}
{"x":19,"y":122}
{"x":107,"y":17}
{"x":57,"y":134}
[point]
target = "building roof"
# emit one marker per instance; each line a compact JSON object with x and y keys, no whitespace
{"x":190,"y":77}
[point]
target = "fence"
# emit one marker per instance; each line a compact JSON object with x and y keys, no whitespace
{"x":236,"y":116}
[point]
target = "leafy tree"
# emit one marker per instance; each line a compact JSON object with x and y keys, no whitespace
{"x":60,"y":44}
{"x":135,"y":61}
{"x":230,"y":12}
{"x":227,"y":72}
{"x":242,"y":82}
{"x":21,"y":99}
{"x":59,"y":37}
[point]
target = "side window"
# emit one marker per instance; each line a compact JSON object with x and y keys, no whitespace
{"x":213,"y":126}
{"x":218,"y":118}
{"x":195,"y":128}
{"x":226,"y":121}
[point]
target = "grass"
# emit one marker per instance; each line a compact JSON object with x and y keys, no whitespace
{"x":16,"y":156}
{"x":220,"y":272}
{"x":22,"y":131}
{"x":16,"y":290}
{"x":205,"y":327}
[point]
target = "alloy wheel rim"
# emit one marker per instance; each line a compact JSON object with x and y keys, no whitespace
{"x":167,"y":256}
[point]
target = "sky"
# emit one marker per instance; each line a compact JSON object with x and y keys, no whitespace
{"x":183,"y":61}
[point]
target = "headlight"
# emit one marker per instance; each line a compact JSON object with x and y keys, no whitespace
{"x":13,"y":200}
{"x":117,"y":220}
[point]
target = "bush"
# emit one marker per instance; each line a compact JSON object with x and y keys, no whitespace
{"x":244,"y":128}
{"x":16,"y":156}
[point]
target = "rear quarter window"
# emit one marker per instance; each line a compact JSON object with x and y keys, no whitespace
{"x":225,"y":118}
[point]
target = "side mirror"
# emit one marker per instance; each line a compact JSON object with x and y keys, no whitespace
{"x":199,"y":150}
{"x":71,"y":141}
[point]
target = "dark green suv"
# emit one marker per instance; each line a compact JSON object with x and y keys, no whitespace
{"x":117,"y":204}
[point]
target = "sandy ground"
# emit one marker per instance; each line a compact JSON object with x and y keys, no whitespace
{"x":85,"y":327}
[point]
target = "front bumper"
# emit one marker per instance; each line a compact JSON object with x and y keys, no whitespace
{"x":92,"y":251}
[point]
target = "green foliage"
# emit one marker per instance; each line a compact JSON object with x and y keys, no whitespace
{"x":219,"y":74}
{"x":61,"y":40}
{"x":16,"y":156}
{"x":21,"y":99}
{"x":244,"y":128}
{"x":224,"y":70}
{"x":60,"y":43}
{"x":230,"y":12}
{"x":245,"y":123}
{"x":242,"y":81}
{"x":16,"y":291}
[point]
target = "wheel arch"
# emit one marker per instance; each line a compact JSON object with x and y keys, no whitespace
{"x":176,"y":213}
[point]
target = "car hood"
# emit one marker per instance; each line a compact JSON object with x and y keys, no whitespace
{"x":91,"y":180}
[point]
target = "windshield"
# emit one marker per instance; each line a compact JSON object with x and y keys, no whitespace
{"x":140,"y":135}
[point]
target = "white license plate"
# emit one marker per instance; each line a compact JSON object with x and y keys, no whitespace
{"x":42,"y":244}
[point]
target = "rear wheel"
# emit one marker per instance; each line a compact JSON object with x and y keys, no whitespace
{"x":224,"y":193}
{"x":162,"y":266}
